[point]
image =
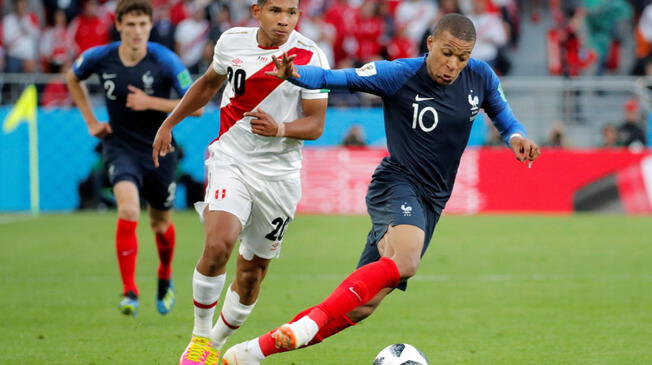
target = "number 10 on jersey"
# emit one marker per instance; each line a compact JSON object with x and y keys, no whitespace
{"x":417,"y":117}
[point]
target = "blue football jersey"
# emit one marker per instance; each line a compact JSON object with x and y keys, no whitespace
{"x":157,"y":74}
{"x":427,"y":124}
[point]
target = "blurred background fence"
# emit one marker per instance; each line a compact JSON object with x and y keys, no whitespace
{"x":69,"y":163}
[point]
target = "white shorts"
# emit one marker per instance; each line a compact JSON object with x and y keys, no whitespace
{"x":264,"y":208}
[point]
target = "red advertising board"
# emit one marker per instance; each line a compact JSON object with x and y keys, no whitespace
{"x":490,"y":180}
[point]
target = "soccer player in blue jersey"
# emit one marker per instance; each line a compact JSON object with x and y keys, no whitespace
{"x":137,"y":77}
{"x":430,"y":103}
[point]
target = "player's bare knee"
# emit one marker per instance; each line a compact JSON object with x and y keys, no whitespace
{"x":407,"y":266}
{"x":218,"y":249}
{"x":159,"y":226}
{"x":129,"y":212}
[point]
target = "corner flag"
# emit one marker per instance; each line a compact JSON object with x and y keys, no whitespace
{"x":25,"y":110}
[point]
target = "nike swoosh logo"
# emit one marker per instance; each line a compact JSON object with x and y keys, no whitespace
{"x":108,"y":76}
{"x":422,"y":99}
{"x":356,"y":294}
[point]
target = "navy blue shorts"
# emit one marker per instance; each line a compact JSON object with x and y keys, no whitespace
{"x":156,"y":185}
{"x":391,"y":203}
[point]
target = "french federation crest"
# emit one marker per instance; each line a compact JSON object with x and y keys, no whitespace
{"x":474,"y":101}
{"x":148,"y":82}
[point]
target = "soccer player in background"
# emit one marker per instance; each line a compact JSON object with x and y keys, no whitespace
{"x":254,"y":181}
{"x":430,"y":104}
{"x":137,"y":77}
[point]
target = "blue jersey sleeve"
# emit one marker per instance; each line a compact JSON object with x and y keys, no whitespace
{"x":495,"y":104}
{"x":173,"y":66}
{"x":86,"y":64}
{"x":383,"y":78}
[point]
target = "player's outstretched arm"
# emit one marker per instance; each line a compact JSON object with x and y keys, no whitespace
{"x":524,"y":149}
{"x":195,"y":98}
{"x":80,"y":96}
{"x":309,"y":77}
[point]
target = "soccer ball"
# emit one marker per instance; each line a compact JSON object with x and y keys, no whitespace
{"x":400,"y":354}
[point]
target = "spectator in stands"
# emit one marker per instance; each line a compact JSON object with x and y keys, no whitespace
{"x":602,"y":21}
{"x":316,"y":28}
{"x":491,"y":34}
{"x":389,"y":24}
{"x":630,"y":134}
{"x":401,"y":45}
{"x":69,"y":7}
{"x":643,"y":35}
{"x":221,"y":20}
{"x":163,"y":29}
{"x":556,"y":136}
{"x":445,"y":7}
{"x":417,"y":16}
{"x":368,"y":30}
{"x":609,"y":136}
{"x":181,"y":10}
{"x":91,"y":28}
{"x":567,"y":42}
{"x":509,"y":11}
{"x":191,"y":36}
{"x":354,"y":137}
{"x":55,"y":44}
{"x":20,"y":30}
{"x":342,"y":16}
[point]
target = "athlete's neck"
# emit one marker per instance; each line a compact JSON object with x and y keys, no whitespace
{"x":131,"y":56}
{"x":266,"y":42}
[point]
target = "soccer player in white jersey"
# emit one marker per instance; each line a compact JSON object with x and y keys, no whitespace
{"x":253,"y":168}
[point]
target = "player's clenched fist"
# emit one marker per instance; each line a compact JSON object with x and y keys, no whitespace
{"x":99,"y":130}
{"x":264,"y":124}
{"x":524,"y":149}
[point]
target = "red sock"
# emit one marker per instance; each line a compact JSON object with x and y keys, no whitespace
{"x":357,"y":289}
{"x":165,"y":245}
{"x":337,"y":325}
{"x":126,"y":246}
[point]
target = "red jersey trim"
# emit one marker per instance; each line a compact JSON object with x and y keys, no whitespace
{"x":258,"y":87}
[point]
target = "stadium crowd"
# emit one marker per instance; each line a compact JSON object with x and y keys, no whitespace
{"x":37,"y":35}
{"x":47,"y":35}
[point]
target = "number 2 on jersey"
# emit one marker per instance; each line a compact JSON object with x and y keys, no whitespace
{"x":109,"y":86}
{"x":237,"y":79}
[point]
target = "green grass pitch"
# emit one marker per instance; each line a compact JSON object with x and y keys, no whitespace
{"x":522,"y":290}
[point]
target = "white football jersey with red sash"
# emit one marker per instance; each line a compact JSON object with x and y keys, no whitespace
{"x":238,"y":55}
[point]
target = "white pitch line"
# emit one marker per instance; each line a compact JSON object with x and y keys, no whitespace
{"x":6,"y":219}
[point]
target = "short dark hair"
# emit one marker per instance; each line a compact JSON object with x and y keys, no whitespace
{"x":457,"y":25}
{"x":138,"y":7}
{"x":263,"y":2}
